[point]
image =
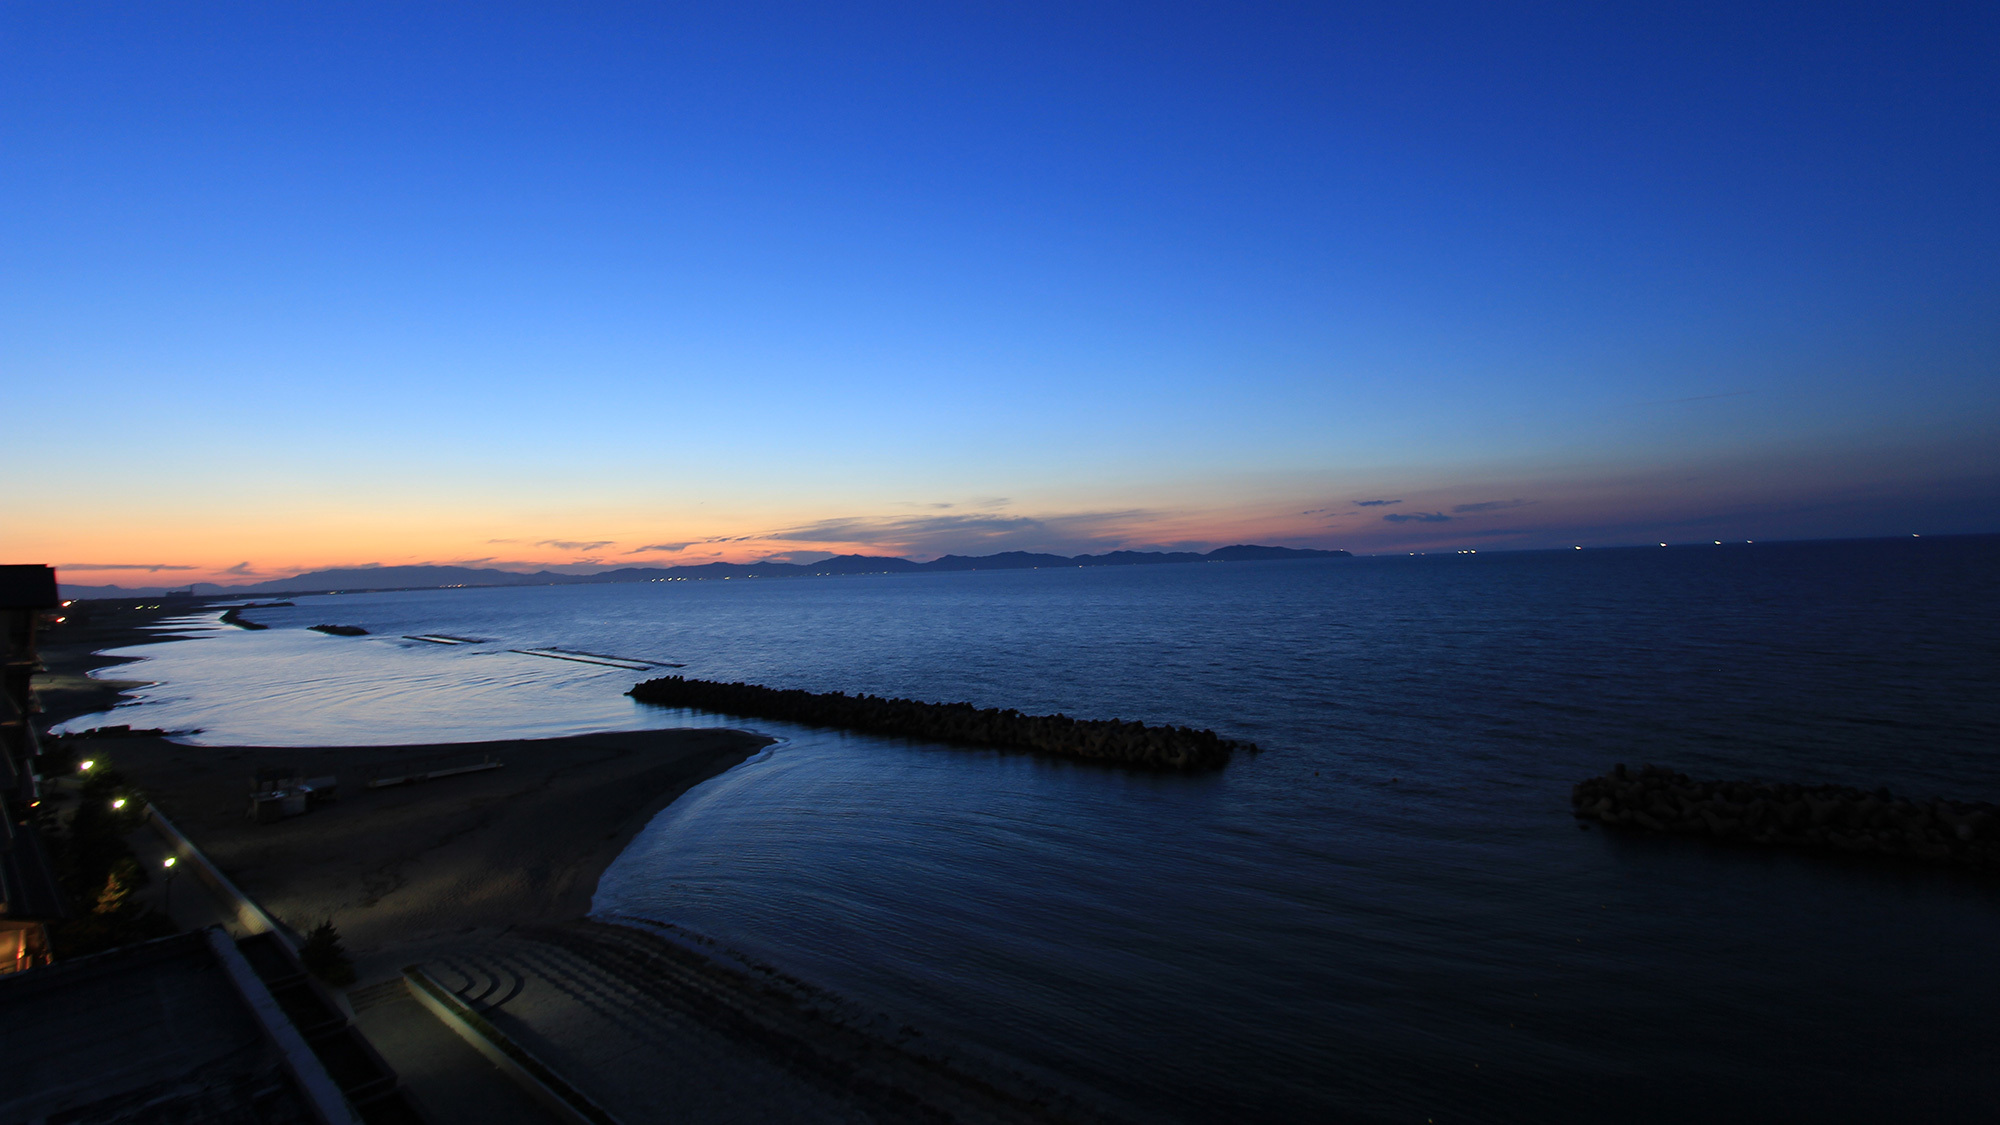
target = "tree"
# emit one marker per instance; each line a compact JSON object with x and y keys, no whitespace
{"x":323,"y":956}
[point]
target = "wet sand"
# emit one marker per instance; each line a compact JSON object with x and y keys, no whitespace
{"x":72,"y":650}
{"x":488,"y":877}
{"x":523,"y":843}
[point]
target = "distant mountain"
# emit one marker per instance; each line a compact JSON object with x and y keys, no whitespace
{"x":432,"y":577}
{"x":1005,"y":560}
{"x":392,"y":578}
{"x":1245,"y":552}
{"x":71,"y":590}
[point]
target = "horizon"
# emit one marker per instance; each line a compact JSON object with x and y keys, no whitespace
{"x":105,"y":591}
{"x":521,"y":289}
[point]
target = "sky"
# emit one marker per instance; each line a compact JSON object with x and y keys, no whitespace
{"x":294,"y":286}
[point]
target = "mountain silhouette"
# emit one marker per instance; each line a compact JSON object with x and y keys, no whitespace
{"x":434,"y":577}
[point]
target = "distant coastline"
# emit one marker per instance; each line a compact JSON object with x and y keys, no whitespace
{"x":439,"y":577}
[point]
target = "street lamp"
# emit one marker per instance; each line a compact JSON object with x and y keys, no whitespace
{"x":169,"y":865}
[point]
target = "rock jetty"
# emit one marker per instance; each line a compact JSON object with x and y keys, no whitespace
{"x":234,"y":616}
{"x":339,"y":630}
{"x":1104,"y":740}
{"x":1828,"y":817}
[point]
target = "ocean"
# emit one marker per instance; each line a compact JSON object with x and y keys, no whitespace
{"x":1387,"y":914}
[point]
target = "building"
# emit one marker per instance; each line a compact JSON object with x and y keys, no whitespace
{"x":28,"y":893}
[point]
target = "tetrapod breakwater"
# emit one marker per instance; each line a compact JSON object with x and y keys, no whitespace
{"x":1103,"y":740}
{"x":1824,"y":817}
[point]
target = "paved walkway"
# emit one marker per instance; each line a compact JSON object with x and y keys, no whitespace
{"x":177,"y":891}
{"x":640,"y":1059}
{"x":451,"y":1083}
{"x":647,"y":1030}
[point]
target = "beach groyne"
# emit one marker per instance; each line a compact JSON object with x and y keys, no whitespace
{"x":1824,"y":817}
{"x":339,"y":630}
{"x":234,"y":616}
{"x":1103,"y":740}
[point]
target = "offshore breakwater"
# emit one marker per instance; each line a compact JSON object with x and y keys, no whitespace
{"x":1103,"y":740}
{"x":1825,"y":817}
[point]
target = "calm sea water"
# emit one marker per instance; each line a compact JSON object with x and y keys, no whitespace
{"x":1387,"y":915}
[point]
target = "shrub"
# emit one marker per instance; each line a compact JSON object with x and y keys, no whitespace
{"x":323,"y":956}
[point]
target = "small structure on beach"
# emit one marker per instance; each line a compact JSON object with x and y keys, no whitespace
{"x":284,"y":791}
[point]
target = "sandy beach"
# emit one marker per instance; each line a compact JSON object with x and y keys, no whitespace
{"x":72,"y":650}
{"x":485,"y":878}
{"x":522,"y":843}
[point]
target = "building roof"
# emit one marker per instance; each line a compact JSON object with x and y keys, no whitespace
{"x":28,"y":586}
{"x":178,"y":1029}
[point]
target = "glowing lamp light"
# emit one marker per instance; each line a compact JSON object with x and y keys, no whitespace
{"x":169,"y":862}
{"x":84,"y":766}
{"x":119,"y":803}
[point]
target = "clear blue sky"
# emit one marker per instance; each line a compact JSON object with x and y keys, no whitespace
{"x":303,"y":285}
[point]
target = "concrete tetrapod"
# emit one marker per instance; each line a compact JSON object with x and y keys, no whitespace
{"x":1105,"y":740}
{"x":1827,"y":817}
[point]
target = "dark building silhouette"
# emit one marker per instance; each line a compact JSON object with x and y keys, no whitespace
{"x":28,"y":892}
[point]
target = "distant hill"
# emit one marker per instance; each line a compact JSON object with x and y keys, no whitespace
{"x":433,"y":577}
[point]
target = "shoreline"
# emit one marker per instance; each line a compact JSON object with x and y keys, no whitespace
{"x":494,"y":872}
{"x":399,"y":864}
{"x":525,"y":843}
{"x":77,"y":647}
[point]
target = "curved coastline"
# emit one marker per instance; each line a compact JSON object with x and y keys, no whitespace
{"x":571,"y":803}
{"x":499,"y":868}
{"x":526,"y":842}
{"x":83,"y":644}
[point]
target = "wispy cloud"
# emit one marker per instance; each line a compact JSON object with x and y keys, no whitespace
{"x":798,"y":556}
{"x":676,"y":548}
{"x":1375,"y":503}
{"x":1489,"y":506}
{"x":970,"y":533}
{"x":574,"y":545}
{"x":241,"y":568}
{"x":977,"y":503}
{"x":124,"y":566}
{"x":1416,"y":517}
